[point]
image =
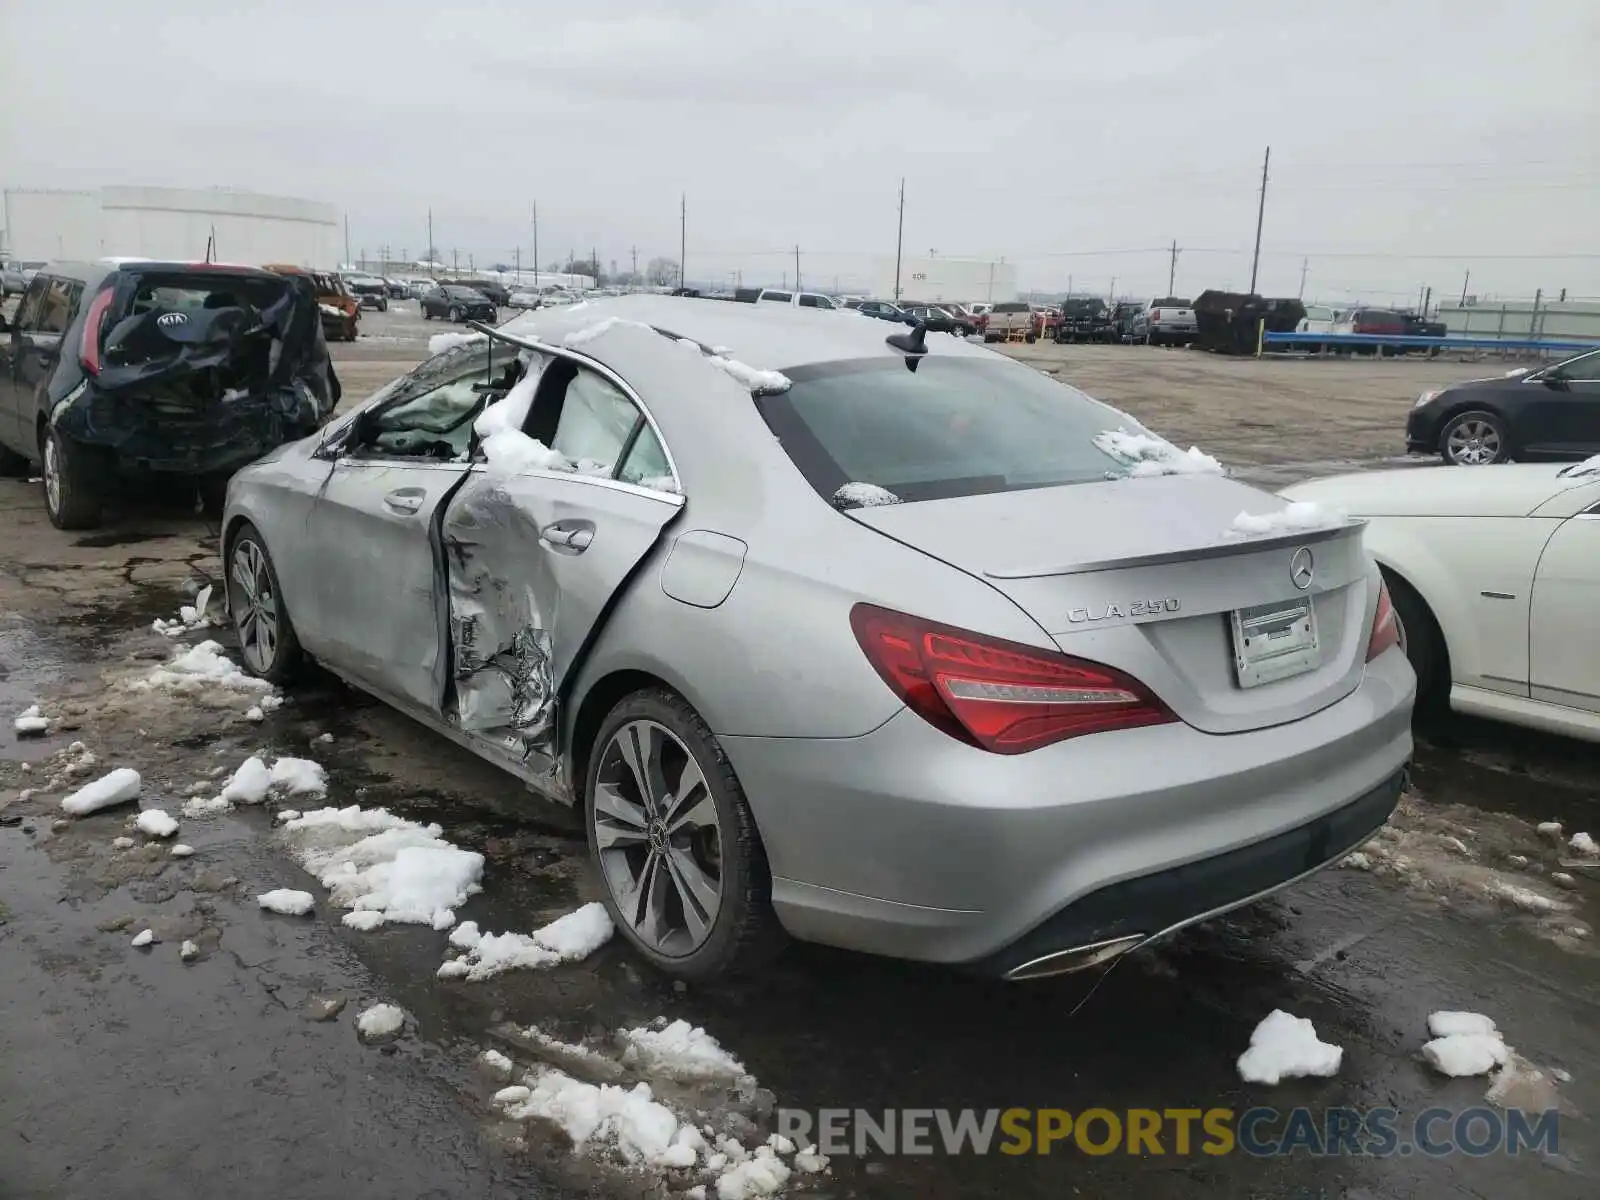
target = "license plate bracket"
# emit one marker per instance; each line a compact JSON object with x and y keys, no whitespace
{"x":1274,"y":641}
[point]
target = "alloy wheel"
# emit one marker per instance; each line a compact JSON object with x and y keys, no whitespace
{"x":254,"y":605}
{"x":1473,"y":443}
{"x":659,"y":838}
{"x":52,"y":474}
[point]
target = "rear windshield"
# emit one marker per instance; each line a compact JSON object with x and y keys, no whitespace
{"x":1011,"y":308}
{"x":783,"y":296}
{"x":463,"y":293}
{"x":1169,"y":302}
{"x":952,"y":427}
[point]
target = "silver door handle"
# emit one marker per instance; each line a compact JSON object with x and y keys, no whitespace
{"x":570,"y":539}
{"x":405,"y":500}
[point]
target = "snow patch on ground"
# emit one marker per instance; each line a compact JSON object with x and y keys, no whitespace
{"x":117,"y":787}
{"x":29,"y":722}
{"x":201,"y":668}
{"x":627,"y":1120}
{"x":380,"y":1020}
{"x":440,"y":342}
{"x":1299,"y":516}
{"x":1284,"y":1046}
{"x":182,"y":850}
{"x":863,"y":495}
{"x":144,"y":937}
{"x":287,"y":902}
{"x":1447,"y":1023}
{"x":383,"y":867}
{"x":156,"y":823}
{"x":497,"y":1062}
{"x":569,"y":938}
{"x":191,"y":617}
{"x":1463,"y":1054}
{"x":1145,"y":455}
{"x":1585,"y":845}
{"x":1506,"y":865}
{"x":254,"y":781}
{"x":680,"y":1051}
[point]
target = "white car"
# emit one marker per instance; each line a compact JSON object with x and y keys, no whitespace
{"x":1495,"y":576}
{"x":797,"y":299}
{"x":1320,"y":318}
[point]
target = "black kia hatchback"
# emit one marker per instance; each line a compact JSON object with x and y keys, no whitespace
{"x":117,"y":367}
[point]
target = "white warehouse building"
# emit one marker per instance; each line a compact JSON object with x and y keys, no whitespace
{"x":169,"y":223}
{"x":960,"y":280}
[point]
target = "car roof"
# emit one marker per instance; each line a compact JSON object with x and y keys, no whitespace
{"x":772,"y":337}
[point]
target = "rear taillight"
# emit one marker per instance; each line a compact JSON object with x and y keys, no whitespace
{"x":1385,"y":625}
{"x":998,"y":695}
{"x":1155,"y":314}
{"x":89,"y":346}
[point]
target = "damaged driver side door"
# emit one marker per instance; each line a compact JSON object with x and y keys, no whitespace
{"x":379,"y":612}
{"x":534,"y":558}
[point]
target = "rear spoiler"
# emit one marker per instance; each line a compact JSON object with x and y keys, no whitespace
{"x":1224,"y":549}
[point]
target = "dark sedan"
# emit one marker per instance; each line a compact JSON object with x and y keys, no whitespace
{"x":881,"y":309}
{"x":497,"y":292}
{"x":937,"y":320}
{"x":1551,"y":413}
{"x":456,"y":303}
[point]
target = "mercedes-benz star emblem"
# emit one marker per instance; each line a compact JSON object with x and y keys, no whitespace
{"x":1302,"y":567}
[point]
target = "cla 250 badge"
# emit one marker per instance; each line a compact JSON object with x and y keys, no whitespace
{"x":1134,"y":608}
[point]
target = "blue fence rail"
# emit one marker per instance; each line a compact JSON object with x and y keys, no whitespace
{"x":1334,"y":341}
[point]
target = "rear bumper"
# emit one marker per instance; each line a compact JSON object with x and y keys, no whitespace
{"x":906,"y":843}
{"x":215,"y":441}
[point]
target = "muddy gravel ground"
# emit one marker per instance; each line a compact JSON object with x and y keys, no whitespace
{"x":135,"y":1072}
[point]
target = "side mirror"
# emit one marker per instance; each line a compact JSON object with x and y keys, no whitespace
{"x":1554,"y":380}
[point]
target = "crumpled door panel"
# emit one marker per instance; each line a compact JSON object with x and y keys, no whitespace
{"x":523,"y":608}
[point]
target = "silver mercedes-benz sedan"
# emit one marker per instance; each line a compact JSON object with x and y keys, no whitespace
{"x":834,"y":630}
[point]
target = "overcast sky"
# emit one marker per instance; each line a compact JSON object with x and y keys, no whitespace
{"x":1411,"y":139}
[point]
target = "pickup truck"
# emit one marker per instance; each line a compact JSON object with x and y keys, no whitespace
{"x":1168,"y":321}
{"x":1010,"y":317}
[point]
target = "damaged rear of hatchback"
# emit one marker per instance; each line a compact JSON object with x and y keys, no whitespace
{"x":121,"y":370}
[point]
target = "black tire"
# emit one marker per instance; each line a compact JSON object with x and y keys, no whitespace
{"x":73,"y":485}
{"x":1424,"y":646}
{"x":286,"y":656}
{"x":455,"y":315}
{"x":1493,"y":422}
{"x":383,"y":306}
{"x":744,"y":935}
{"x":426,"y":315}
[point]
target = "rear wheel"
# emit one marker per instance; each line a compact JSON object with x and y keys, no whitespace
{"x":1474,"y":439}
{"x":73,"y":489}
{"x":672,"y":836}
{"x":267,"y":639}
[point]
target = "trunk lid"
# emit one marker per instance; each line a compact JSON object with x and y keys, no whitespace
{"x":1143,"y":575}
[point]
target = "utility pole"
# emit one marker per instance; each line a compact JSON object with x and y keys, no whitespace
{"x":516,"y":254}
{"x":635,"y":272}
{"x":347,"y":237}
{"x":1305,"y":265}
{"x":1069,"y":287}
{"x":430,"y":243}
{"x":1464,"y":283}
{"x":683,"y":240}
{"x":899,"y":241}
{"x":1261,"y":214}
{"x":1112,"y":294}
{"x":455,"y":262}
{"x":536,"y":245}
{"x":1427,"y":301}
{"x":797,"y":267}
{"x":1172,"y":269}
{"x":594,"y":261}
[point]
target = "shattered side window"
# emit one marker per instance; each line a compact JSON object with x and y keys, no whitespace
{"x":596,"y":419}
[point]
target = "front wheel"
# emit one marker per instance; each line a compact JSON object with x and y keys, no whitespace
{"x":267,"y":639}
{"x":455,"y":315}
{"x":383,"y":306}
{"x":73,"y":489}
{"x":1474,"y":439}
{"x":685,"y":875}
{"x":1423,"y":644}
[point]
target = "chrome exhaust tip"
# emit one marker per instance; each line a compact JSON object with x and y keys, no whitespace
{"x":1079,"y":958}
